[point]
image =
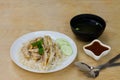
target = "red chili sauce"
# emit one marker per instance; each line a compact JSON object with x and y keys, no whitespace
{"x":96,"y":48}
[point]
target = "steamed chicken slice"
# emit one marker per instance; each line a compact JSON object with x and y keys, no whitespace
{"x":51,"y":55}
{"x":46,"y":52}
{"x":51,"y":51}
{"x":26,"y":52}
{"x":35,"y":56}
{"x":33,"y":50}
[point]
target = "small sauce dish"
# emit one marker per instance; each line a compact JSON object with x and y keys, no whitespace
{"x":96,"y":49}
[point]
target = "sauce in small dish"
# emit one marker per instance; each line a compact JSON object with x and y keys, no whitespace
{"x":96,"y":49}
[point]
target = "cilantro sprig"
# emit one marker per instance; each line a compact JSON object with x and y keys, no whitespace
{"x":39,"y":45}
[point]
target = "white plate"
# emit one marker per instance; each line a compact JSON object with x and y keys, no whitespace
{"x":17,"y":45}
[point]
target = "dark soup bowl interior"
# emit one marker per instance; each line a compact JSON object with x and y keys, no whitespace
{"x":87,"y":27}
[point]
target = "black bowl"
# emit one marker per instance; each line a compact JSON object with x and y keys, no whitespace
{"x":87,"y":27}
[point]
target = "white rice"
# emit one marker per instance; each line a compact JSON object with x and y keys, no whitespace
{"x":36,"y":65}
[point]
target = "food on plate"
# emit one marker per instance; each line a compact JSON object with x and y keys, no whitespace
{"x":43,"y":53}
{"x":65,"y":46}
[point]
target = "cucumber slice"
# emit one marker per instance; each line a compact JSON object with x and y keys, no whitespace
{"x":61,"y":42}
{"x":64,"y":46}
{"x":66,"y":50}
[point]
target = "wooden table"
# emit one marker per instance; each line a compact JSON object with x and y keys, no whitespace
{"x":18,"y":17}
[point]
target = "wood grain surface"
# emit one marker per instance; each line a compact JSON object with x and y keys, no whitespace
{"x":18,"y":17}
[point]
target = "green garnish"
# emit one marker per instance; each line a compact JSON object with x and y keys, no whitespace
{"x":77,"y":29}
{"x":39,"y":45}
